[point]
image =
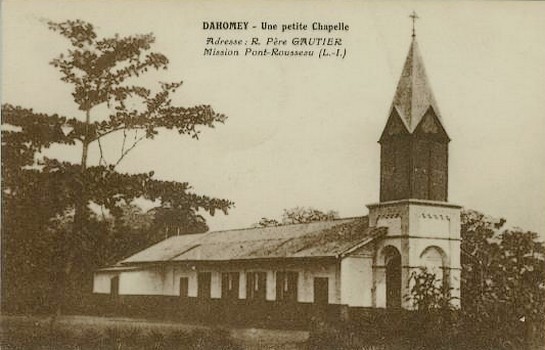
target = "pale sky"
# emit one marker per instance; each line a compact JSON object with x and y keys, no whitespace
{"x":303,"y":132}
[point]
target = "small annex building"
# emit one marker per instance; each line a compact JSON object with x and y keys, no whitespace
{"x":355,"y":262}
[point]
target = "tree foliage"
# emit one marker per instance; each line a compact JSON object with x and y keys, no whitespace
{"x":501,"y":268}
{"x":302,"y":215}
{"x":177,"y":221}
{"x":298,"y":215}
{"x":429,"y":292}
{"x":266,"y":222}
{"x":50,"y":233}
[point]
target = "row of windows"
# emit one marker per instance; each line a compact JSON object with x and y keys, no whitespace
{"x":256,"y":286}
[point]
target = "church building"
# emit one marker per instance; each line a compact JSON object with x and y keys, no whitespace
{"x":362,"y":262}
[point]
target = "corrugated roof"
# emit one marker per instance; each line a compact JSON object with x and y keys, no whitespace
{"x":317,"y":239}
{"x":413,"y":95}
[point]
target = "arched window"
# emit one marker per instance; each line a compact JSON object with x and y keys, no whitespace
{"x":434,"y":260}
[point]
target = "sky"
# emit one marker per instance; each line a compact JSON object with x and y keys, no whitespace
{"x":303,"y":132}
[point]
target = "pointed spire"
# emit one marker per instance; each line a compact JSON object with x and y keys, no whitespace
{"x":413,"y":95}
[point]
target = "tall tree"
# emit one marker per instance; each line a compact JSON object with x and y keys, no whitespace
{"x":103,"y":73}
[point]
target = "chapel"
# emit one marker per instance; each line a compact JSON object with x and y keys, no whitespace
{"x":361,"y":262}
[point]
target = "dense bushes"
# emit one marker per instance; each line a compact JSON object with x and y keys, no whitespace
{"x":422,"y":330}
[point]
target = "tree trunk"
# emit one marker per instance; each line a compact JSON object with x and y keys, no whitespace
{"x":70,"y":241}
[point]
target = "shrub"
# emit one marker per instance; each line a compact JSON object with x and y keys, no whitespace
{"x":432,"y":329}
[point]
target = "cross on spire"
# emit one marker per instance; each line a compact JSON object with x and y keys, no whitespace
{"x":414,"y":17}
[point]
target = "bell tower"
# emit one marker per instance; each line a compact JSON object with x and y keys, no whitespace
{"x":414,"y":143}
{"x":423,"y":228}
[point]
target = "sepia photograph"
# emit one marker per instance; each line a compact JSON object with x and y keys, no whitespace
{"x":272,"y":175}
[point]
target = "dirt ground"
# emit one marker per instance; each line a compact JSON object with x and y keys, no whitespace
{"x":250,"y":338}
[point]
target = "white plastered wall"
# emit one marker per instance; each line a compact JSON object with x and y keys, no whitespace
{"x":142,"y":282}
{"x":357,"y":281}
{"x":165,"y":280}
{"x":102,"y":282}
{"x":305,"y":282}
{"x":413,"y":227}
{"x":437,"y":228}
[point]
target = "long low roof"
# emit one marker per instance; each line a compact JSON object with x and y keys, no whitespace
{"x":318,"y":239}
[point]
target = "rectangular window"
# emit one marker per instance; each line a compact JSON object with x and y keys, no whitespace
{"x":229,"y":285}
{"x":321,"y":290}
{"x":256,"y":285}
{"x":286,"y":285}
{"x":184,"y":287}
{"x":204,"y":282}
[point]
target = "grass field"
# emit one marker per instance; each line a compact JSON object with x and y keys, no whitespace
{"x":85,"y":332}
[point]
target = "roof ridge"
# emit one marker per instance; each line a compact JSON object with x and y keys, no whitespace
{"x":286,"y":225}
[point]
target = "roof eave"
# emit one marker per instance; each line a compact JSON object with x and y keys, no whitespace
{"x":221,"y":261}
{"x":382,"y":232}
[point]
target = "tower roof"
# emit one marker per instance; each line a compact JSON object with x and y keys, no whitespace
{"x":413,"y":95}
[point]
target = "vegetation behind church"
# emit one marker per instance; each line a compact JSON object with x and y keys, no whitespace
{"x":298,"y":215}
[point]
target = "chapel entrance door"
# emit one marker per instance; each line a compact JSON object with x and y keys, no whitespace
{"x":114,"y":287}
{"x":393,"y":280}
{"x":321,"y":290}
